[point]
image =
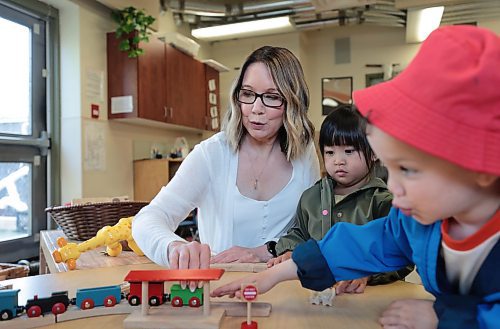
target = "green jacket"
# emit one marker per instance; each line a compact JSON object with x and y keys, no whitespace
{"x":312,"y":221}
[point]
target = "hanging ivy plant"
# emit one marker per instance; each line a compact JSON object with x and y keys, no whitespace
{"x":132,"y":28}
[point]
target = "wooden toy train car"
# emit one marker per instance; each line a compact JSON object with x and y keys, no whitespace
{"x":180,"y":297}
{"x":88,"y":298}
{"x":9,"y":304}
{"x":56,"y":303}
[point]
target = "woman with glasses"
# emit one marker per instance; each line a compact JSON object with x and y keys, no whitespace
{"x":246,"y":180}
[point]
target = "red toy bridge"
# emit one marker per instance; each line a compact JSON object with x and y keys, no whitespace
{"x":174,"y":275}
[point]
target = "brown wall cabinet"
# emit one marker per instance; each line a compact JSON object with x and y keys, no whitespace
{"x":142,"y":78}
{"x":166,"y":85}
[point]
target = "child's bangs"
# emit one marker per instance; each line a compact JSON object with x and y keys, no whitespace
{"x":348,"y":136}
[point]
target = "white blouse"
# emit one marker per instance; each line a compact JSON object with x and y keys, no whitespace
{"x":256,"y":222}
{"x":206,"y":180}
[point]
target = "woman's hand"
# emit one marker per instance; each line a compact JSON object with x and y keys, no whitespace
{"x":280,"y":259}
{"x":410,"y":314}
{"x":190,"y":255}
{"x":242,"y":255}
{"x":356,"y":286}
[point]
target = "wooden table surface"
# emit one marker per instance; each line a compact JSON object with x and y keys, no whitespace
{"x":290,"y":302}
{"x":89,"y":259}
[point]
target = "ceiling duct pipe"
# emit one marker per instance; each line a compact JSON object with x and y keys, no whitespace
{"x":318,"y":25}
{"x":273,"y":5}
{"x":220,"y":10}
{"x":197,"y":8}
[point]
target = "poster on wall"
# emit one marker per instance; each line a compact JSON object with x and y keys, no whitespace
{"x":335,"y":91}
{"x":95,"y":143}
{"x":94,"y":85}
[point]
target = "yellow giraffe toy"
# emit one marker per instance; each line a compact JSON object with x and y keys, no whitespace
{"x":109,"y":236}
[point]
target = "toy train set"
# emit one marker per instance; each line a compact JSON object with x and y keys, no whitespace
{"x":142,"y":287}
{"x":89,"y":298}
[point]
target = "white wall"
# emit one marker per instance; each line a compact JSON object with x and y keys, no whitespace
{"x":369,"y":45}
{"x":493,"y":25}
{"x":71,"y":156}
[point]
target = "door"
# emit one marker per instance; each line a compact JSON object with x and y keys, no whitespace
{"x":184,"y":84}
{"x":24,"y":143}
{"x":151,"y":81}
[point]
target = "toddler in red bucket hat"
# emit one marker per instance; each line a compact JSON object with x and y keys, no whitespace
{"x":436,"y":127}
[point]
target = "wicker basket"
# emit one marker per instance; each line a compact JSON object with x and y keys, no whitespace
{"x":81,"y":222}
{"x":13,"y":271}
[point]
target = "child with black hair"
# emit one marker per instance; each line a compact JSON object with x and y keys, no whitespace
{"x":436,"y":127}
{"x":349,"y":192}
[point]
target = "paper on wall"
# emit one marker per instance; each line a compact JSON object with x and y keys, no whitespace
{"x":94,"y":85}
{"x":213,"y":111}
{"x":95,"y":143}
{"x":215,"y":123}
{"x":122,"y":104}
{"x":212,"y":98}
{"x":211,"y":85}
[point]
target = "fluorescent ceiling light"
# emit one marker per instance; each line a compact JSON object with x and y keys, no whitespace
{"x":244,"y":29}
{"x":421,"y":22}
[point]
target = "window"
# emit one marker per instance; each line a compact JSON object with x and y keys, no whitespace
{"x":24,"y":137}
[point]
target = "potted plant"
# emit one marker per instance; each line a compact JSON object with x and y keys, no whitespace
{"x":132,"y":27}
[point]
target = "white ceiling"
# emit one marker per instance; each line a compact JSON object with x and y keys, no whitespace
{"x":313,"y":14}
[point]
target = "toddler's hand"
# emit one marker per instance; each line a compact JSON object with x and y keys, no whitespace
{"x":410,"y":313}
{"x":356,"y":286}
{"x":233,"y":289}
{"x":264,"y":280}
{"x":279,"y":259}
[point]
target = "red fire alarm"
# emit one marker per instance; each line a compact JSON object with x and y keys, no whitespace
{"x":94,"y":109}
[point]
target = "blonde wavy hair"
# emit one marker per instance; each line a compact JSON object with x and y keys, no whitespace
{"x":297,"y":131}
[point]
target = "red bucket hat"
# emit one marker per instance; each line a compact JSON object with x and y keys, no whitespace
{"x":447,"y":101}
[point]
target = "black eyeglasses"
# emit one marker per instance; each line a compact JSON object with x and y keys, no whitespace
{"x":246,"y":96}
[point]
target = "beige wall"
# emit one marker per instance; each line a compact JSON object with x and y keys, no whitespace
{"x":115,"y":144}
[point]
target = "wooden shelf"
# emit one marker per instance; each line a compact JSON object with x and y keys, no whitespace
{"x":150,"y":175}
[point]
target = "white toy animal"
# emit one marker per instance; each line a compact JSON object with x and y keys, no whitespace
{"x":324,"y":297}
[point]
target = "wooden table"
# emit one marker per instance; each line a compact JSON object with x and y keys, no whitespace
{"x":290,"y":302}
{"x":90,"y":259}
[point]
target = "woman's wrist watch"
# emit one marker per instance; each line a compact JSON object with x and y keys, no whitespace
{"x":271,"y":247}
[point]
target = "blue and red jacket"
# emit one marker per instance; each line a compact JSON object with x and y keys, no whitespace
{"x":387,"y":244}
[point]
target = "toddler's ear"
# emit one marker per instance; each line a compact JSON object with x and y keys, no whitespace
{"x":486,"y":180}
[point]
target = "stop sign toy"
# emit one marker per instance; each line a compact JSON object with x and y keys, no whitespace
{"x":249,"y":293}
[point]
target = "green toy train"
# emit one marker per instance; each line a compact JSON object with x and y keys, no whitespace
{"x":177,"y":297}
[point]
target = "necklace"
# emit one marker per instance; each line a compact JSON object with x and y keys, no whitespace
{"x":256,"y":178}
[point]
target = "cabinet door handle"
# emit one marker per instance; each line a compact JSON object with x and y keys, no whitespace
{"x":164,"y":111}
